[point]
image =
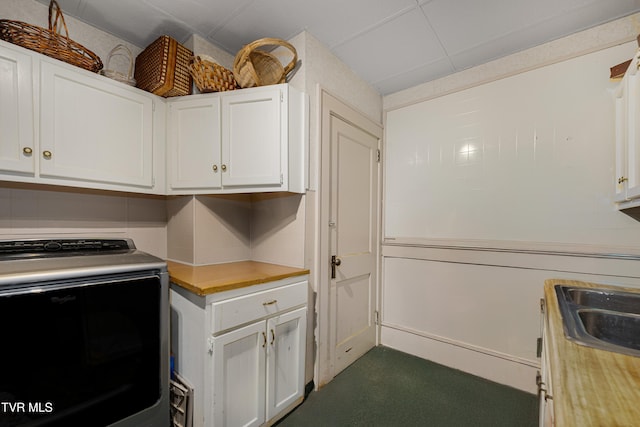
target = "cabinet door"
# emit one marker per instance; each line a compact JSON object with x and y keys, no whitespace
{"x":93,"y":129}
{"x":633,"y":135}
{"x":545,"y":392}
{"x":621,"y":100}
{"x":239,"y":376}
{"x":252,"y":133}
{"x":285,"y":360}
{"x":16,"y":112}
{"x":194,"y":143}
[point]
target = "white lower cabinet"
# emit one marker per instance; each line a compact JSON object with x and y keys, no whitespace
{"x":254,"y":343}
{"x":259,"y":370}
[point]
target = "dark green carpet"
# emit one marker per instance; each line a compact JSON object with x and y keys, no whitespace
{"x":390,"y":388}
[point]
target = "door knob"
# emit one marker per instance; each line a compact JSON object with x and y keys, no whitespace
{"x":335,"y":261}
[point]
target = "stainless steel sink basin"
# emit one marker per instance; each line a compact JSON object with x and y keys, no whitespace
{"x":601,"y":318}
{"x":613,"y":328}
{"x":626,"y":302}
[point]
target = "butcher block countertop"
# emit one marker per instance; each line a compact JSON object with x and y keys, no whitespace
{"x":591,"y":387}
{"x":208,"y":279}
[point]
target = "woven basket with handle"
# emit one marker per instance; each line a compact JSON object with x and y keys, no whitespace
{"x":209,"y":76}
{"x":121,"y":50}
{"x":49,"y":41}
{"x":254,"y":67}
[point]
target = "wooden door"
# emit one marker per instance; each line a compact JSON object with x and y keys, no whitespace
{"x":353,"y":237}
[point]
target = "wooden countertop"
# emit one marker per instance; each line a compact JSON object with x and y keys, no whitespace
{"x":208,"y":279}
{"x":591,"y":387}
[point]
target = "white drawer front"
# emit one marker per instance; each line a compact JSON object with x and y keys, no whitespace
{"x":237,"y":311}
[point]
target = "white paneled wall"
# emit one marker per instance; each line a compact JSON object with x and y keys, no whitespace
{"x":488,"y":192}
{"x":527,"y":158}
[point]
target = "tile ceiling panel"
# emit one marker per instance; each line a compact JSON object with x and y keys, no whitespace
{"x":403,"y":43}
{"x":286,"y":18}
{"x":202,"y":15}
{"x":392,"y":44}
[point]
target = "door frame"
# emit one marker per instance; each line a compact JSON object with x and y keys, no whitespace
{"x":330,"y":105}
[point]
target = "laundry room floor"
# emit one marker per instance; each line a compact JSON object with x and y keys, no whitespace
{"x":390,"y":388}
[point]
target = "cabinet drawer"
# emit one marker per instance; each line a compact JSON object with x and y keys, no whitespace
{"x":237,"y":311}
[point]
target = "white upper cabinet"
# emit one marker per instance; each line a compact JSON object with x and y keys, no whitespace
{"x":253,"y":145}
{"x":243,"y":141}
{"x":16,"y":113}
{"x":63,"y":125}
{"x":93,"y":130}
{"x":627,"y":105}
{"x":194,"y":143}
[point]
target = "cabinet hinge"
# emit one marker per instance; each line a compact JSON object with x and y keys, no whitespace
{"x":210,"y":345}
{"x":153,"y":105}
{"x":376,"y":317}
{"x":281,"y":179}
{"x":281,"y":97}
{"x":378,"y":156}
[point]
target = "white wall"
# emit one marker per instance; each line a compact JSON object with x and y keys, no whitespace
{"x":28,"y":211}
{"x":492,"y":188}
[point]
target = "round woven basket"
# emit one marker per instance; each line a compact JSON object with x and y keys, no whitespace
{"x":120,"y":50}
{"x":253,"y":67}
{"x":209,"y":76}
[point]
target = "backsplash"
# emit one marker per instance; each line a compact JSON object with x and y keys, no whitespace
{"x":38,"y":211}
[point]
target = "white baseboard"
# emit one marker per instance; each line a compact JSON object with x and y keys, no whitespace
{"x":482,"y":363}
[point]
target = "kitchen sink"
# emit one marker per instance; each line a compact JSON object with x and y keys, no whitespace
{"x":613,"y":328}
{"x":601,"y":318}
{"x":626,"y":302}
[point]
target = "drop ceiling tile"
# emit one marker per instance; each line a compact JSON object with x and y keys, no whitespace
{"x":540,"y":32}
{"x":414,"y":77}
{"x":133,"y":21}
{"x":335,"y":21}
{"x":403,"y":43}
{"x":466,"y":23}
{"x":68,"y":6}
{"x":203,"y":16}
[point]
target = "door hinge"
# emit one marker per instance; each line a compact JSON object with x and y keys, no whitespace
{"x":378,"y":156}
{"x":539,"y":347}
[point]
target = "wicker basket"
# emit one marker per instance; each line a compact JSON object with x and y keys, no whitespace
{"x":49,"y":41}
{"x":163,"y":68}
{"x":253,"y":67}
{"x":117,"y":75}
{"x":209,"y":76}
